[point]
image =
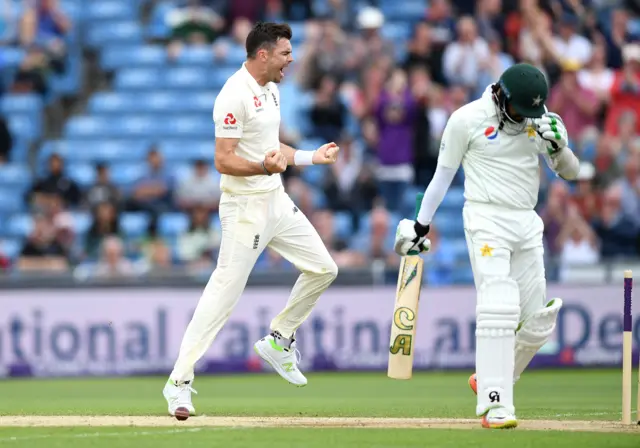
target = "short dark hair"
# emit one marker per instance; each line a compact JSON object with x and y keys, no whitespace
{"x":265,"y":35}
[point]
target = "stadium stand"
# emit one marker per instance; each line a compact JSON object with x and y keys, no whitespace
{"x":148,"y":135}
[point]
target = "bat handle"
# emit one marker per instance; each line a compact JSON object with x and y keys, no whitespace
{"x":419,"y":197}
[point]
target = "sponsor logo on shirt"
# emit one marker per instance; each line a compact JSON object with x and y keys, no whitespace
{"x":230,"y":122}
{"x":491,"y":133}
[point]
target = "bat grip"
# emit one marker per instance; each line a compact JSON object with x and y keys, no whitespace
{"x":419,"y":197}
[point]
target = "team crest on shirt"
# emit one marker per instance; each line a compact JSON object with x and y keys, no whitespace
{"x":258,"y":104}
{"x":531,"y":134}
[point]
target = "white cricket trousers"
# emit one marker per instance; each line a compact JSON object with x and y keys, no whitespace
{"x":250,"y":223}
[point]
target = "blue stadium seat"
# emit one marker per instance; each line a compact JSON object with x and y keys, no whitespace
{"x":138,"y":79}
{"x":195,"y":56}
{"x":157,"y":27}
{"x":24,"y":126}
{"x":19,"y":225}
{"x":220,"y":75}
{"x":82,"y":222}
{"x":126,"y":174}
{"x":134,"y":224}
{"x":82,"y":173}
{"x":89,"y":127}
{"x":10,"y":202}
{"x":15,"y":177}
{"x":11,"y":57}
{"x":103,"y":34}
{"x":196,"y":127}
{"x":411,"y":10}
{"x":187,"y":150}
{"x":454,"y":199}
{"x":27,"y":104}
{"x":343,"y":225}
{"x":314,"y":175}
{"x":92,"y":151}
{"x":11,"y":247}
{"x":462,"y":275}
{"x":172,"y":224}
{"x":113,"y":58}
{"x":104,"y":10}
{"x":396,"y":31}
{"x":449,"y":224}
{"x":191,"y":78}
{"x":113,"y":102}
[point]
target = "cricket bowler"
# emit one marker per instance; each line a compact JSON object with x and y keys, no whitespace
{"x":498,"y":139}
{"x":255,"y":213}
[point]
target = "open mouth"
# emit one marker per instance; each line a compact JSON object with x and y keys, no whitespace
{"x":282,"y":72}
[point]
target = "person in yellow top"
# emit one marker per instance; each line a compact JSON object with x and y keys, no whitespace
{"x":498,"y":140}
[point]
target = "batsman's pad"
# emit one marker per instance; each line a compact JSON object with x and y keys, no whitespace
{"x":497,"y":316}
{"x":534,"y":333}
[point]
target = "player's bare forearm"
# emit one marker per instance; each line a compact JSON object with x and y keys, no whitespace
{"x":288,"y":152}
{"x":235,"y":165}
{"x":228,"y":162}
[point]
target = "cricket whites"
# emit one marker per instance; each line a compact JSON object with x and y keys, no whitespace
{"x":405,"y":314}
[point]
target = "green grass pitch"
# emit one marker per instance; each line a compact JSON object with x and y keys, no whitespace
{"x":556,"y":396}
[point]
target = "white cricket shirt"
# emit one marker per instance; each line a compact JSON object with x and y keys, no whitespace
{"x":250,"y":112}
{"x":499,"y":169}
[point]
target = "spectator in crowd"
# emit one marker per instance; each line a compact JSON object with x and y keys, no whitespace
{"x":42,"y":251}
{"x":497,"y":62}
{"x":596,"y":76}
{"x":56,"y":182}
{"x":586,"y":199}
{"x":6,"y":140}
{"x":569,"y":43}
{"x":554,"y":215}
{"x":197,"y":247}
{"x":578,"y":243}
{"x":488,"y":14}
{"x":629,"y":186}
{"x":625,"y":142}
{"x":224,"y":46}
{"x":395,"y":115}
{"x":105,"y":223}
{"x":152,"y":192}
{"x":440,"y":19}
{"x":375,"y":241}
{"x":192,"y":23}
{"x":577,"y":106}
{"x":200,"y":189}
{"x":328,"y":113}
{"x":158,"y":259}
{"x":617,"y":232}
{"x":113,"y":263}
{"x":625,"y":92}
{"x":103,"y":190}
{"x":605,"y":162}
{"x":464,"y":59}
{"x":420,"y":52}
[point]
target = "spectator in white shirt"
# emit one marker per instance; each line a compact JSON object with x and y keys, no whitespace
{"x":201,"y":188}
{"x":463,"y":59}
{"x":569,"y":43}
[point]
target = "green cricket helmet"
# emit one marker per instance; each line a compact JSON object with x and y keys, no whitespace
{"x":525,"y":88}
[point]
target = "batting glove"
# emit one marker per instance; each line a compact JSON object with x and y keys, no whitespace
{"x":411,"y":238}
{"x":551,"y":128}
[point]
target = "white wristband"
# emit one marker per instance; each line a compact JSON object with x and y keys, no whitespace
{"x":303,"y":157}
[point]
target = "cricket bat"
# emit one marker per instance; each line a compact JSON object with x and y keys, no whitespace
{"x":405,"y":314}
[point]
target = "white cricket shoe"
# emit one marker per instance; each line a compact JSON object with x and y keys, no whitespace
{"x":179,"y":399}
{"x":499,"y":418}
{"x":283,"y":360}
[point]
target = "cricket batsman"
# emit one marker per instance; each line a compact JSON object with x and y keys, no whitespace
{"x":498,"y":139}
{"x":255,"y":213}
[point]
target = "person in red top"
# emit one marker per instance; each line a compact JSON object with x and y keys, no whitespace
{"x":625,"y":92}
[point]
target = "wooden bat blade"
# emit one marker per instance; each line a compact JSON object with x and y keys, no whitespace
{"x":405,"y":315}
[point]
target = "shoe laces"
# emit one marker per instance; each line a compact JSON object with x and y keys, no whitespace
{"x":186,"y":388}
{"x":296,"y":353}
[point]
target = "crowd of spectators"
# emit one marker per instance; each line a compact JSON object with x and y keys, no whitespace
{"x":386,"y":105}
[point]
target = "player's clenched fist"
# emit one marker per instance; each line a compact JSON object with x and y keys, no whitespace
{"x":551,"y":128}
{"x":411,"y":238}
{"x":326,"y":154}
{"x":275,"y":162}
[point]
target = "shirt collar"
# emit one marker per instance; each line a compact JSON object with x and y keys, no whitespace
{"x":251,"y":81}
